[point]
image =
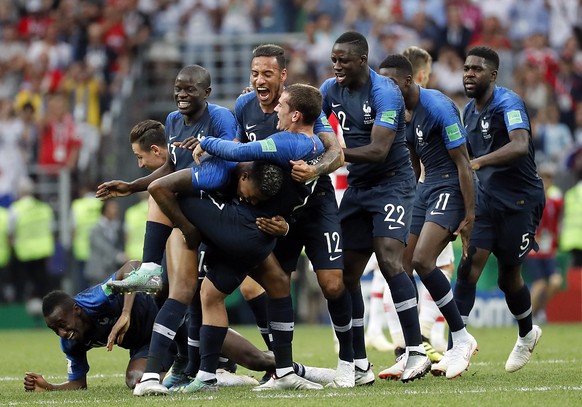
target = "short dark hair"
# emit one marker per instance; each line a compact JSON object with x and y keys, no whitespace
{"x":398,"y":62}
{"x":418,"y":57}
{"x":271,"y":50}
{"x":267,"y":177}
{"x":201,"y":73}
{"x":148,"y":133}
{"x":487,"y":53}
{"x":357,"y":40}
{"x":55,"y":299}
{"x":306,"y":99}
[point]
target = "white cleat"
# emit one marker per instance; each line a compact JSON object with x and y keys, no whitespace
{"x":523,"y":350}
{"x":345,"y":376}
{"x":440,"y":368}
{"x":380,"y":343}
{"x":395,"y":371}
{"x":321,"y":375}
{"x":289,"y":382}
{"x":460,"y":357}
{"x":150,"y":388}
{"x":417,"y":365}
{"x":364,"y":377}
{"x":225,"y":378}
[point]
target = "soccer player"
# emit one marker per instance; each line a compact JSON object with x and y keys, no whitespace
{"x":376,"y":208}
{"x":224,"y":225}
{"x":316,"y":225}
{"x":97,"y":317}
{"x":509,"y":199}
{"x":444,"y":206}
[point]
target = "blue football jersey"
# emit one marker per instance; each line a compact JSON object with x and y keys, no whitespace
{"x":379,"y":102}
{"x":515,"y":185}
{"x":216,"y":121}
{"x":435,"y":127}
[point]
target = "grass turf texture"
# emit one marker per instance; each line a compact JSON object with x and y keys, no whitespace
{"x":552,"y":377}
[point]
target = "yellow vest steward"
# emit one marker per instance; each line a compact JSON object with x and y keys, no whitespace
{"x":86,"y":212}
{"x":4,"y":243}
{"x":33,"y":234}
{"x":135,"y":225}
{"x":571,"y":236}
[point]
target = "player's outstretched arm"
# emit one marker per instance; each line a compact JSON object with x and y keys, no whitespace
{"x":36,"y":382}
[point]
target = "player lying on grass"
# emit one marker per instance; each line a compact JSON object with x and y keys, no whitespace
{"x":97,"y":317}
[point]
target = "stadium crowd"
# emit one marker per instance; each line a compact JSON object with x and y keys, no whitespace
{"x":63,"y":61}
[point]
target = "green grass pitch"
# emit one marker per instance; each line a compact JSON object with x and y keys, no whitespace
{"x":552,"y":378}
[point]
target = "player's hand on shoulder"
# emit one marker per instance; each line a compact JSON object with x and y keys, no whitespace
{"x":275,"y":226}
{"x":189,"y":143}
{"x":112,"y":189}
{"x":35,"y":382}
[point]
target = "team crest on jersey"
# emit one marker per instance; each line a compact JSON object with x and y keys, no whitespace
{"x":485,"y":129}
{"x":368,"y":119}
{"x":419,"y":135}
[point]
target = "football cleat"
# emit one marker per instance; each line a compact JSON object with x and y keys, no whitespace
{"x":460,"y":356}
{"x":364,"y":377}
{"x":321,"y":375}
{"x":395,"y":371}
{"x":288,"y":382}
{"x":226,"y":378}
{"x":417,"y":365}
{"x":431,"y":352}
{"x":196,"y":386}
{"x":523,"y":350}
{"x":440,"y":368}
{"x":150,"y":388}
{"x":345,"y":376}
{"x":146,"y":279}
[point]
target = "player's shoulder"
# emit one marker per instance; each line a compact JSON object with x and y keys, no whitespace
{"x":173,"y":117}
{"x":327,"y":84}
{"x":244,"y":99}
{"x":437,"y":103}
{"x":505,"y":97}
{"x":215,"y":109}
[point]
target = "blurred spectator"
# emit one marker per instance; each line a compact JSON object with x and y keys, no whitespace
{"x":35,"y":22}
{"x":136,"y":24}
{"x":13,"y":162}
{"x":527,"y":17}
{"x":30,"y":134}
{"x":166,"y":20}
{"x":433,"y":8}
{"x":568,"y":90}
{"x":537,"y":52}
{"x":237,"y":18}
{"x":6,"y":293}
{"x":134,"y":225}
{"x":321,"y":38}
{"x":31,"y":228}
{"x":563,"y":17}
{"x":553,"y":138}
{"x":454,"y":34}
{"x":532,"y":87}
{"x":541,"y":266}
{"x":497,"y":8}
{"x":447,"y":72}
{"x":13,"y":54}
{"x":492,"y":34}
{"x":578,"y":128}
{"x":571,"y":236}
{"x":427,"y":32}
{"x":59,"y":143}
{"x":85,"y":214}
{"x":470,"y":13}
{"x":106,"y":244}
{"x":199,"y":18}
{"x":58,"y":52}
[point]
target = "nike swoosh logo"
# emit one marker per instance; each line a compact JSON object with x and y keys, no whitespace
{"x":436,"y":213}
{"x":250,"y":127}
{"x":394,"y":227}
{"x":332,"y":258}
{"x":335,"y":104}
{"x":172,"y":137}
